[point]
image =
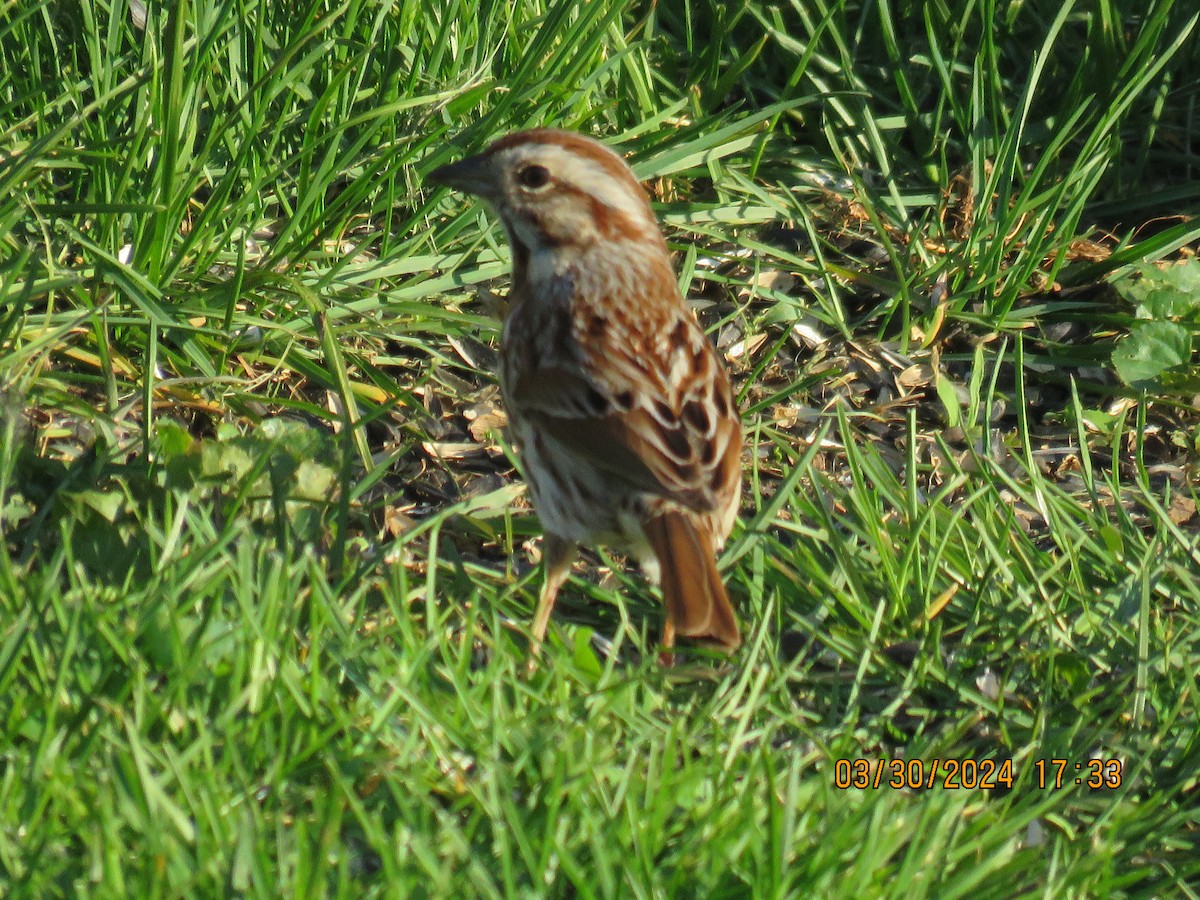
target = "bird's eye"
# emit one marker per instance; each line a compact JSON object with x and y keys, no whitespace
{"x":534,"y":177}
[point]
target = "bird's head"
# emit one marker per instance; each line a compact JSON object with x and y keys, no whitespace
{"x":556,"y":190}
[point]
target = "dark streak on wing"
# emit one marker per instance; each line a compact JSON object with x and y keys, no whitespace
{"x":571,"y":411}
{"x":696,"y":415}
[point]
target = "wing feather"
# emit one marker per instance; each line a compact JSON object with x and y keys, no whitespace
{"x":659,"y":436}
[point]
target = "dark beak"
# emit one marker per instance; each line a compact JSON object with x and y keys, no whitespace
{"x":472,"y":175}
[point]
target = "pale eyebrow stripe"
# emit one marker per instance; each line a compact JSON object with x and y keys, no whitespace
{"x":606,"y":180}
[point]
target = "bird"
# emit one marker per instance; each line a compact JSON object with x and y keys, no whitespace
{"x":625,"y":422}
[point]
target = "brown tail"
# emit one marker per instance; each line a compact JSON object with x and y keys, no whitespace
{"x":697,"y":604}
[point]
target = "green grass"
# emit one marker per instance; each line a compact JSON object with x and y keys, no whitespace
{"x":267,"y":566}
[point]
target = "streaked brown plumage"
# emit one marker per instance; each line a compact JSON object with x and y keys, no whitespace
{"x":620,"y":406}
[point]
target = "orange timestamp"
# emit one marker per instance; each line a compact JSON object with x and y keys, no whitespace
{"x":971,"y":774}
{"x":949,"y":774}
{"x":1096,"y":772}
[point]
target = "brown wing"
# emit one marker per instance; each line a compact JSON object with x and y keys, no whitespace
{"x":651,"y":410}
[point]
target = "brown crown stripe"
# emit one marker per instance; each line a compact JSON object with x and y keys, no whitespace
{"x":568,"y":140}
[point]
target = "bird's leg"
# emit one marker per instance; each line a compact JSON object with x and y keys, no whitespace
{"x":666,"y":656}
{"x":557,"y":556}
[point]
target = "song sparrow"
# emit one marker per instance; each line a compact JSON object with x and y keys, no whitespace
{"x":622,"y":411}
